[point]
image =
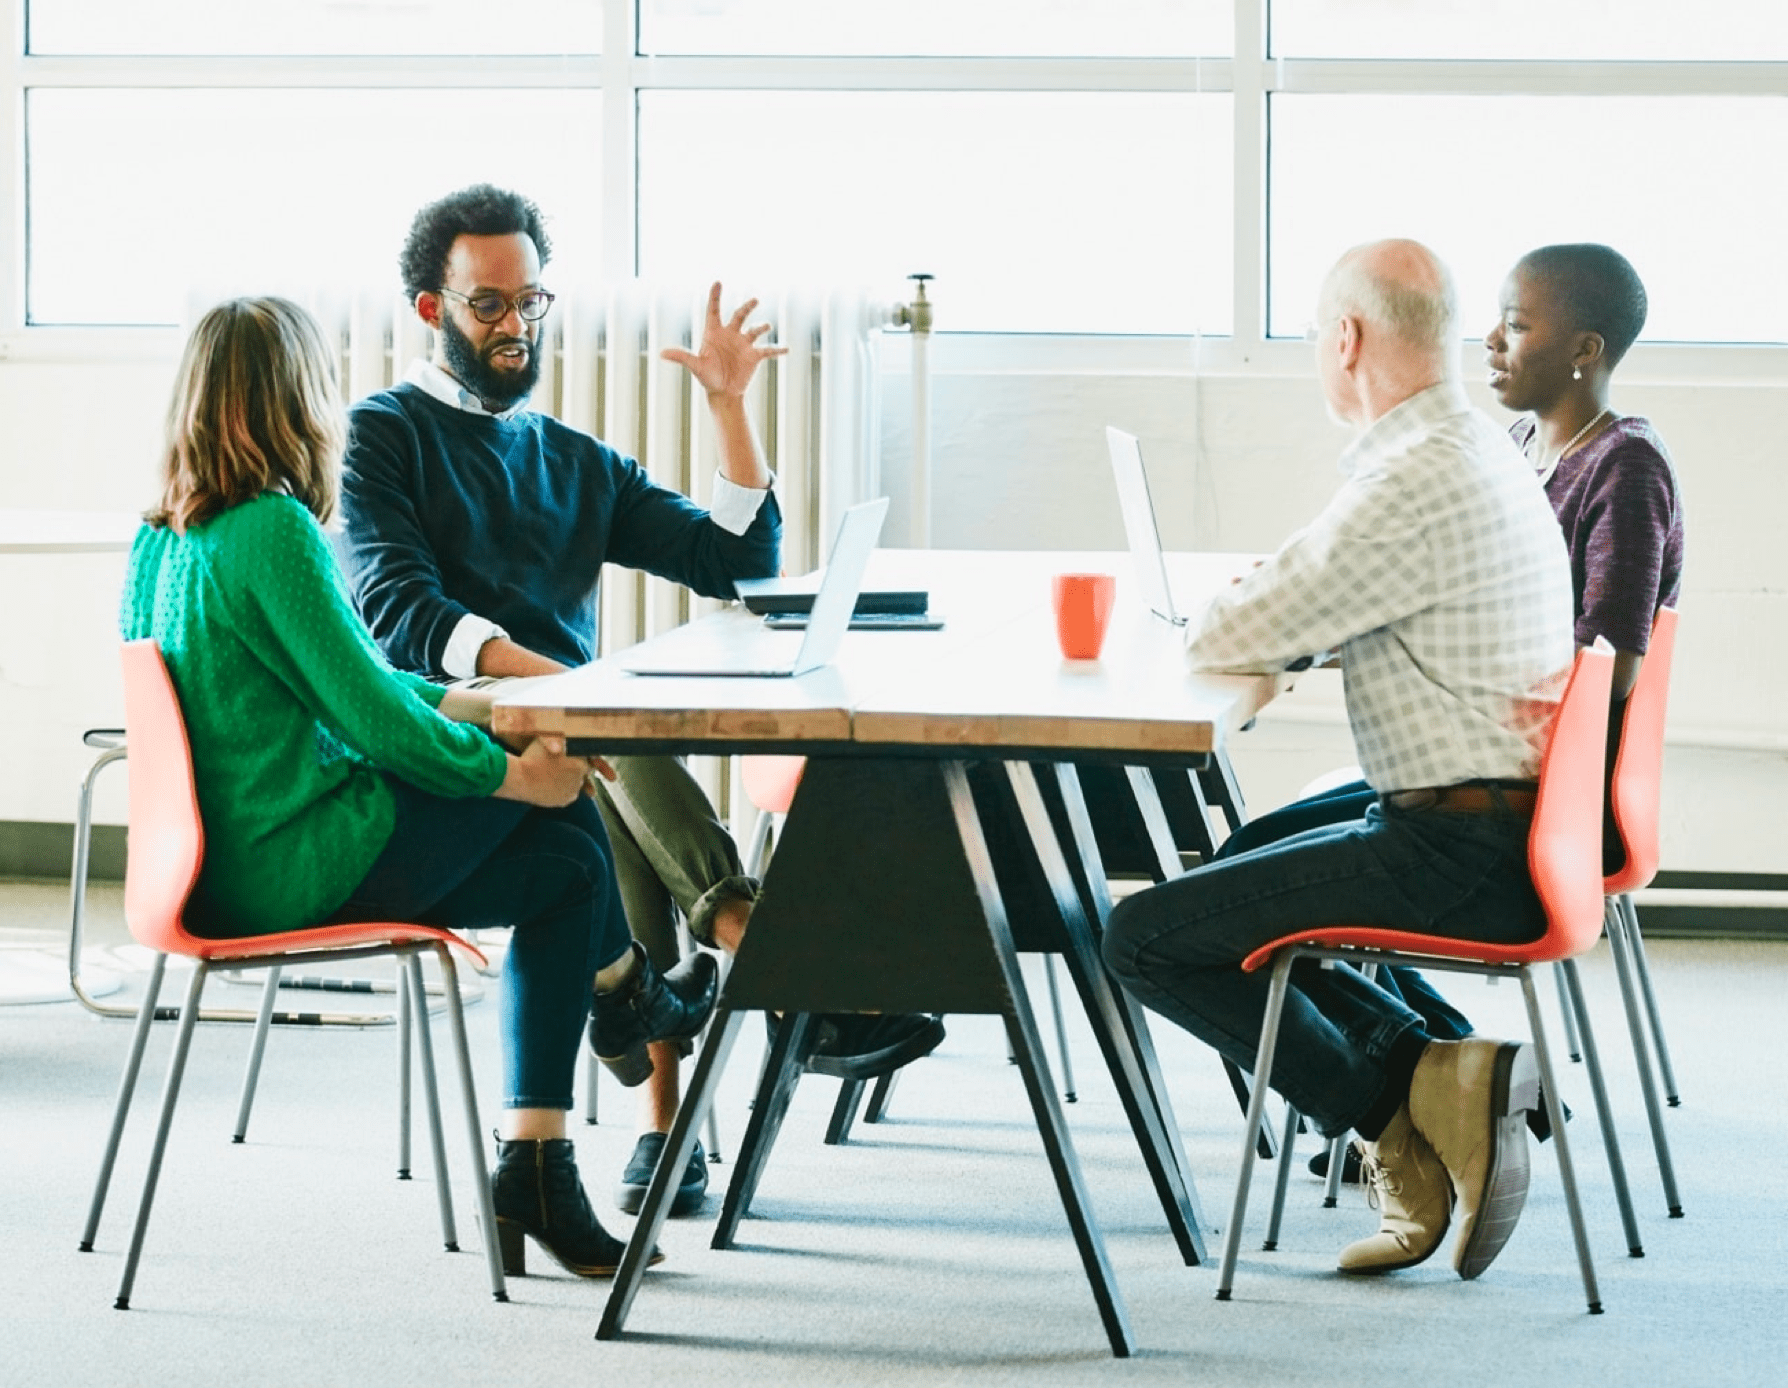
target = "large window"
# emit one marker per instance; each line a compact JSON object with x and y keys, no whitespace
{"x":283,"y":27}
{"x":1672,"y":181}
{"x":1037,"y":211}
{"x":939,"y":28}
{"x":143,"y":200}
{"x":1596,"y":31}
{"x":1133,"y":167}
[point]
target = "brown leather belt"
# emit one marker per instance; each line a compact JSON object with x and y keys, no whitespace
{"x":1466,"y":799}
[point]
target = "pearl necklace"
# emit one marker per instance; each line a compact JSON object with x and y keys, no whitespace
{"x":1544,"y":467}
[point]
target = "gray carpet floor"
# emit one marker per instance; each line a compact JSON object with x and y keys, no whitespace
{"x":930,"y":1249}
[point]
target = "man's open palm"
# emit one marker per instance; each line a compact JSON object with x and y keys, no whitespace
{"x":729,"y":353}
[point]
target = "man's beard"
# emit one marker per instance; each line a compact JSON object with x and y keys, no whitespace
{"x":498,"y":387}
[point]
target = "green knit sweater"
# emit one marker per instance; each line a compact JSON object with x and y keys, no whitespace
{"x":292,"y":713}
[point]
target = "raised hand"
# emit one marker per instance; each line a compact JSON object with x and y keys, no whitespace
{"x":730,"y":351}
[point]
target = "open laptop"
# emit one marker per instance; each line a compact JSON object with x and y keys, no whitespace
{"x":763,"y":654}
{"x":1139,"y":524}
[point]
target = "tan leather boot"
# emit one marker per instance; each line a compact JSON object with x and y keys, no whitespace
{"x":1470,"y":1099}
{"x":1408,"y":1184}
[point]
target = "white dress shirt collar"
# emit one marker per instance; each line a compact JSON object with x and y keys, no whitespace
{"x":426,"y":376}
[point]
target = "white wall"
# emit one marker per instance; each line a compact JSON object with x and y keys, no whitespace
{"x":1237,"y":459}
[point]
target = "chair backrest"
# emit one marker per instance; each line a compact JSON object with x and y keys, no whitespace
{"x":167,"y":839}
{"x":1639,"y":764}
{"x":770,"y":780}
{"x":1564,"y":847}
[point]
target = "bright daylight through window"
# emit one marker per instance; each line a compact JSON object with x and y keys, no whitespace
{"x":1172,"y":167}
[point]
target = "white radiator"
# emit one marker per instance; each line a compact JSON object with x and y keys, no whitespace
{"x":816,"y":413}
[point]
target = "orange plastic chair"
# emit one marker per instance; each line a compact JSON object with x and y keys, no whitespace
{"x":1564,"y":854}
{"x":769,"y":783}
{"x":1634,"y":793}
{"x":167,"y":845}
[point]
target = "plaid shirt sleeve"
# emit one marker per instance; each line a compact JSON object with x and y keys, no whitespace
{"x":1362,"y":564}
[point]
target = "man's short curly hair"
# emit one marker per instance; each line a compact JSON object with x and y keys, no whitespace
{"x":481,"y":210}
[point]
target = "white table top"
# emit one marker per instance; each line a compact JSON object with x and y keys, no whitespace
{"x":993,"y":677}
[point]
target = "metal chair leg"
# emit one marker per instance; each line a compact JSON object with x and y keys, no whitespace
{"x":844,"y":1112}
{"x":481,"y":1191}
{"x":1630,"y":914}
{"x":403,"y":1072}
{"x":1573,"y":1047}
{"x":1648,"y":1089}
{"x":1566,"y":971}
{"x":425,"y":1054}
{"x":127,"y":1088}
{"x":77,"y":886}
{"x":1293,"y":1121}
{"x":1555,"y":1110}
{"x":1331,"y":1191}
{"x":1251,"y":1126}
{"x":251,"y":1076}
{"x":189,"y":1015}
{"x":1061,"y":1030}
{"x":881,"y":1095}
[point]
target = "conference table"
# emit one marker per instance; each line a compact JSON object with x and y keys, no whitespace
{"x":939,"y":829}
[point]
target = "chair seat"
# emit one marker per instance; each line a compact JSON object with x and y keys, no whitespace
{"x":353,"y":935}
{"x":1541,"y":951}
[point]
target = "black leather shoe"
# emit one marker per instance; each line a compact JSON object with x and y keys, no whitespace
{"x":1350,"y":1163}
{"x":868,"y":1045}
{"x":538,"y":1196}
{"x":651,"y":1006}
{"x":636,"y":1179}
{"x":1539,"y":1122}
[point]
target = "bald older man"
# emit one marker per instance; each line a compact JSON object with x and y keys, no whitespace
{"x":1438,"y":572}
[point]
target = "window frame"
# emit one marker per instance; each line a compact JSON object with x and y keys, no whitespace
{"x":1251,"y":77}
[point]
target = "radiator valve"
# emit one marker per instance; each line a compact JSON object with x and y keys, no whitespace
{"x":917,"y":314}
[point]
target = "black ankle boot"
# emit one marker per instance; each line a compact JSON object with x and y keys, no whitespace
{"x":651,"y":1006}
{"x":537,"y":1193}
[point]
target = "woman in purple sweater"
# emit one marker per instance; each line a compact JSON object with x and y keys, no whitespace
{"x":1569,"y":313}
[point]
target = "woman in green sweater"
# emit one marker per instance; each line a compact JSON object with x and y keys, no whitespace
{"x":335,"y":788}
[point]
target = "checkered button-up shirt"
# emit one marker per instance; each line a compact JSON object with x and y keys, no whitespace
{"x":1439,"y":572}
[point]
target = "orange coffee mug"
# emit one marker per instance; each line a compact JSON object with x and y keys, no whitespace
{"x":1082,"y":612}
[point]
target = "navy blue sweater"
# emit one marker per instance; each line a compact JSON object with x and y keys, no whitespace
{"x":448,"y":512}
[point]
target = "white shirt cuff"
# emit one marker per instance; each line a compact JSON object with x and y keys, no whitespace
{"x":734,"y":507}
{"x":460,"y":659}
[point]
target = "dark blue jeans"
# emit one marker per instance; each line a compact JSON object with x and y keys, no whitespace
{"x":1346,"y":1045}
{"x":475,"y":864}
{"x":1341,"y":805}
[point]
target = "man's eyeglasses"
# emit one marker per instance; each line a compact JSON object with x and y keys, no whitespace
{"x":488,"y":306}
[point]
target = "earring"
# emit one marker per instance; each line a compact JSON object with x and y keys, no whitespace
{"x":1576,"y":373}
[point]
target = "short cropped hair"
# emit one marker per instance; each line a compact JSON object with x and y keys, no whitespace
{"x":1423,"y":315}
{"x":1597,"y":288}
{"x":481,"y":210}
{"x":255,"y":409}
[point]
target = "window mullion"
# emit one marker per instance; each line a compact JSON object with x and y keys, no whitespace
{"x":620,"y":140}
{"x":1249,"y":85}
{"x":12,"y":168}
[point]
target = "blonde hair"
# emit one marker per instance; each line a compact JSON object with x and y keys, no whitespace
{"x":255,"y":409}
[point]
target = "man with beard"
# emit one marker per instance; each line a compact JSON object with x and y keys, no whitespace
{"x":475,"y":532}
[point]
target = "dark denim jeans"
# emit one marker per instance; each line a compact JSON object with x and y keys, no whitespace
{"x":1341,"y":805}
{"x":1178,"y":946}
{"x":475,"y":864}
